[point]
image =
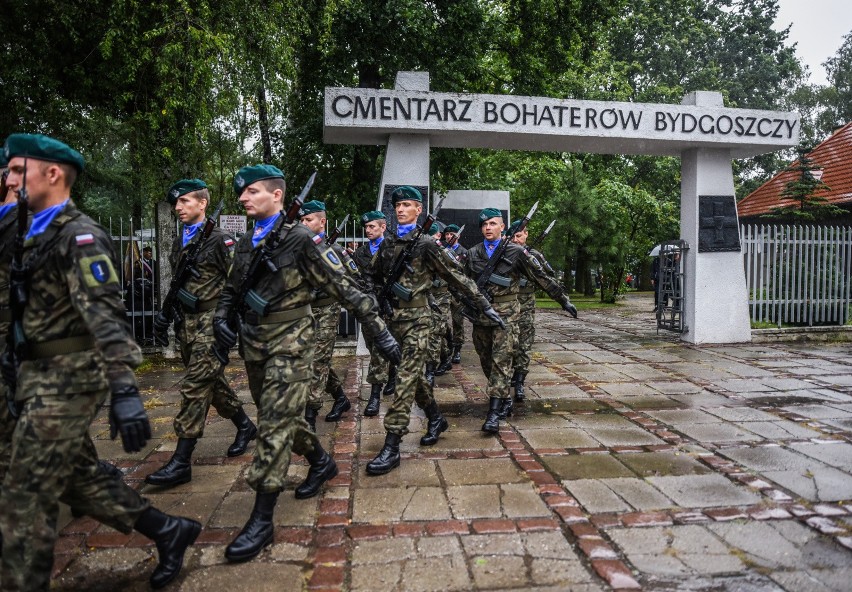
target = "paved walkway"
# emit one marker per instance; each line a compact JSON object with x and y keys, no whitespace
{"x":637,"y":462}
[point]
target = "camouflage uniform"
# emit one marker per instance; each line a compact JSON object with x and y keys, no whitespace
{"x":80,"y":349}
{"x":8,"y":229}
{"x":456,"y":306}
{"x":327,"y":315}
{"x":278,"y":348}
{"x":204,"y":383}
{"x":438,"y":346}
{"x":411,"y":320}
{"x":495,"y":346}
{"x":526,"y":319}
{"x":378,"y":370}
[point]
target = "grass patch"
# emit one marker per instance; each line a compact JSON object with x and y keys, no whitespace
{"x":579,"y":300}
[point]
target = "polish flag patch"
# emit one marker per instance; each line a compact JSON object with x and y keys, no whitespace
{"x":317,"y":239}
{"x":229,"y":242}
{"x":85,"y":239}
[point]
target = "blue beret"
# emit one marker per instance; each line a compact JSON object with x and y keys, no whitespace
{"x":183,"y":187}
{"x":489,"y":213}
{"x":252,"y":174}
{"x":370,"y":216}
{"x":311,"y":207}
{"x":41,"y":147}
{"x":406,"y":192}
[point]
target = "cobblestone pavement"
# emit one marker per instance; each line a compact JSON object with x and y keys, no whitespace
{"x":637,"y":462}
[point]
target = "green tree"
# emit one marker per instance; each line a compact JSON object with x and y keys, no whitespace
{"x":802,"y":189}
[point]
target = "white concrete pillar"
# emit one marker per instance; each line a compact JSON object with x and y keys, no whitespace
{"x":166,"y":234}
{"x":407,"y":155}
{"x":716,"y":303}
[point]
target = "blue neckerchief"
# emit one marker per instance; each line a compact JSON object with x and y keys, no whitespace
{"x":190,"y":231}
{"x":490,"y":246}
{"x":321,"y":234}
{"x":262,"y":228}
{"x":43,"y":219}
{"x":5,"y":209}
{"x":374,"y":245}
{"x":404,"y":229}
{"x":455,"y":246}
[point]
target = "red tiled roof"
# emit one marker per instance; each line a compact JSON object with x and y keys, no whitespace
{"x":834,"y":155}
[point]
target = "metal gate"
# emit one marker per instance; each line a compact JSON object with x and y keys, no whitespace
{"x":671,"y":286}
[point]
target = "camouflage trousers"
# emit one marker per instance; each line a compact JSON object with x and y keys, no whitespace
{"x":439,"y":347}
{"x":495,"y":347}
{"x":7,"y":426}
{"x":412,"y":333}
{"x":280,"y":392}
{"x":525,"y":332}
{"x":53,"y":460}
{"x":379,"y":367}
{"x":204,"y":383}
{"x":325,"y":379}
{"x":458,"y":322}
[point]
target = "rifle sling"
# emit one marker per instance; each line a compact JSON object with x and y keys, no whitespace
{"x":60,"y":347}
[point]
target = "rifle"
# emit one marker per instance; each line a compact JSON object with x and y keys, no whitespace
{"x":392,"y":288}
{"x":540,"y":238}
{"x":261,"y":263}
{"x":186,"y":268}
{"x":16,"y":339}
{"x":335,"y":234}
{"x":486,"y":273}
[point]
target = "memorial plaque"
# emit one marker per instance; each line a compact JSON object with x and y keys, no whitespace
{"x":387,"y":206}
{"x":718,"y":228}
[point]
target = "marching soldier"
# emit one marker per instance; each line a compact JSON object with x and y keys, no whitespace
{"x":204,"y":383}
{"x":450,"y":235}
{"x":495,"y":345}
{"x":526,"y":318}
{"x":410,"y":322}
{"x":439,"y":344}
{"x":327,"y":314}
{"x":276,"y":342}
{"x":78,"y":351}
{"x":378,"y":374}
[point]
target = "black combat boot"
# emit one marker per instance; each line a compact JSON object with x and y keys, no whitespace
{"x":311,"y":418}
{"x":258,"y":531}
{"x":520,"y":376}
{"x":388,"y":457}
{"x":492,"y":422}
{"x":322,"y":469}
{"x":341,"y":404}
{"x":172,"y":536}
{"x":456,"y":359}
{"x":507,"y":407}
{"x":390,"y":387}
{"x":430,"y":373}
{"x":437,"y":424}
{"x":372,"y":407}
{"x":246,"y":432}
{"x":179,"y":468}
{"x":444,"y":366}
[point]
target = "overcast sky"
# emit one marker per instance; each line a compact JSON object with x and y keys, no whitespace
{"x":818,"y":28}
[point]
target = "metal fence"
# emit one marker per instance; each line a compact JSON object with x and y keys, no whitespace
{"x":798,"y":274}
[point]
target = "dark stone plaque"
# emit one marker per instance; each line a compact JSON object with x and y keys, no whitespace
{"x":387,"y":206}
{"x":718,"y":228}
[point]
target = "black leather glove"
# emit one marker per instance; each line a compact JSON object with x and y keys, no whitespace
{"x":8,"y":370}
{"x":567,"y":306}
{"x":127,"y":416}
{"x":225,"y":337}
{"x":492,"y":314}
{"x":388,"y":347}
{"x":161,"y":323}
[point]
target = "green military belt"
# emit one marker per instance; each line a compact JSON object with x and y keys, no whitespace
{"x":204,"y":306}
{"x":5,"y":315}
{"x":59,"y":347}
{"x":293,"y":314}
{"x":530,"y":290}
{"x":505,"y":298}
{"x":413,"y":303}
{"x":324,"y":302}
